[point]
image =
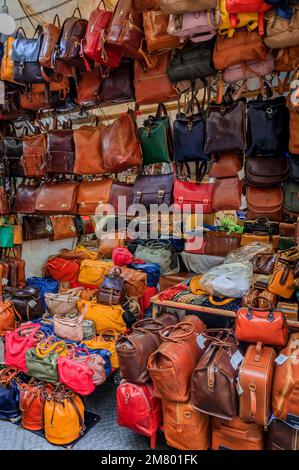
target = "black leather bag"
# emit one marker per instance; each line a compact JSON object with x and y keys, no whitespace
{"x":26,"y":301}
{"x":294,"y":168}
{"x":194,"y":61}
{"x":153,"y":189}
{"x":111,"y":291}
{"x":36,"y":228}
{"x":12,"y":154}
{"x":267,"y":126}
{"x":118,"y":85}
{"x":25,"y":54}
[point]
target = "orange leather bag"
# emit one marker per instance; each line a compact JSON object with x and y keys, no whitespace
{"x":92,"y":194}
{"x":282,"y":281}
{"x":64,"y":227}
{"x":184,"y":427}
{"x":9,"y":317}
{"x":155,"y":25}
{"x":294,"y":136}
{"x":171,"y":366}
{"x":34,"y":155}
{"x":88,"y":151}
{"x":285,"y":390}
{"x":107,"y":244}
{"x":255,"y":379}
{"x":236,"y":435}
{"x":36,"y":97}
{"x":32,"y":402}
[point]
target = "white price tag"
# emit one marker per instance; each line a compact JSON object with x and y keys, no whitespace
{"x":236,"y":359}
{"x":281,"y":359}
{"x":4,"y":281}
{"x":73,"y":229}
{"x":239,"y":388}
{"x":201,"y":341}
{"x":49,"y":227}
{"x":32,"y":303}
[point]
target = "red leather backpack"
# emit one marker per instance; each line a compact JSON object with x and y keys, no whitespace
{"x":247,"y":6}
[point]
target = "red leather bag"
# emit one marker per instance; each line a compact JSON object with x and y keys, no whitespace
{"x":76,"y":375}
{"x":18,"y":342}
{"x":63,"y":270}
{"x":260,"y":325}
{"x":247,"y":6}
{"x":32,"y":402}
{"x":93,"y":44}
{"x":138,"y":409}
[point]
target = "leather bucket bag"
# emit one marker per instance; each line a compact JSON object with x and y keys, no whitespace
{"x":32,"y":402}
{"x":18,"y":342}
{"x":34,"y":155}
{"x":92,"y":194}
{"x":171,"y":366}
{"x":57,"y":197}
{"x":9,"y":394}
{"x":88,"y":151}
{"x":183,"y":6}
{"x":155,"y":25}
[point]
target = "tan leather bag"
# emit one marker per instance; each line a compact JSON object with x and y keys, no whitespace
{"x":64,"y":227}
{"x":69,"y":326}
{"x":236,"y":435}
{"x":120,"y":145}
{"x":184,"y":427}
{"x":184,"y":6}
{"x":286,"y":381}
{"x":225,"y":165}
{"x":108,"y":243}
{"x":227,"y":194}
{"x":265,"y":202}
{"x":155,"y":25}
{"x":135,"y":282}
{"x":280,"y":32}
{"x":92,"y":194}
{"x":255,"y":379}
{"x":88,"y":151}
{"x":34,"y":155}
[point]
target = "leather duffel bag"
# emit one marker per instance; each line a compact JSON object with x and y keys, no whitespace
{"x":91,"y":194}
{"x":57,"y":197}
{"x":236,"y":435}
{"x":265,"y":202}
{"x":262,"y":171}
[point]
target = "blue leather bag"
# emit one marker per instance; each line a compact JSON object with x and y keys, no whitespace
{"x":45,"y":284}
{"x":9,"y":394}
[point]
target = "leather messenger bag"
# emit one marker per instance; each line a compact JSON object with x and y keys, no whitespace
{"x":91,"y":194}
{"x":57,"y":197}
{"x":264,"y":171}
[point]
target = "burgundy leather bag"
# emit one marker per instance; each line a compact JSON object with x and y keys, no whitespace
{"x":60,"y":151}
{"x":121,"y":197}
{"x":25,"y":198}
{"x":68,"y":48}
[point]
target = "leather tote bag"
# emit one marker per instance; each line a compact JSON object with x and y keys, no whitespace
{"x":25,"y":197}
{"x":12,"y":154}
{"x":120,"y":145}
{"x":34,"y":155}
{"x":193,"y":61}
{"x":262,"y":171}
{"x":183,"y":6}
{"x":88,"y":151}
{"x":265,"y":202}
{"x":60,"y":151}
{"x":153,"y":189}
{"x":68,"y":47}
{"x":57,"y":197}
{"x":155,"y":25}
{"x":25,"y":54}
{"x":282,"y":32}
{"x":92,"y":194}
{"x":118,"y":84}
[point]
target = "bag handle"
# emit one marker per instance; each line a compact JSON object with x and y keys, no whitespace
{"x":44,"y":348}
{"x":103,"y":2}
{"x":7,"y":374}
{"x":21,"y":29}
{"x":57,"y":19}
{"x":32,"y":328}
{"x":161,"y":110}
{"x":77,"y":10}
{"x":268,"y":308}
{"x":176,"y":337}
{"x":76,"y":357}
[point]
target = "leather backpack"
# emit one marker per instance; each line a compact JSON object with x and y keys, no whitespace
{"x":183,"y":6}
{"x":93,"y":194}
{"x":88,"y":151}
{"x":34,"y":155}
{"x":118,"y":84}
{"x":88,"y":87}
{"x":35,"y":97}
{"x":111,"y":291}
{"x":235,"y":7}
{"x":12,"y":154}
{"x":155,"y":25}
{"x":258,"y":174}
{"x":68,"y":47}
{"x":25,"y":54}
{"x":60,"y":150}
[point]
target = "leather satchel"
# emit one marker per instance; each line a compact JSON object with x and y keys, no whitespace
{"x":120,"y":145}
{"x":118,"y":84}
{"x":121,"y":197}
{"x":35,"y":228}
{"x":265,"y":202}
{"x":255,"y":379}
{"x":12,"y":154}
{"x":34,"y":155}
{"x":63,"y":227}
{"x":225,"y":165}
{"x":192,"y":195}
{"x":125,"y":32}
{"x":155,"y":25}
{"x":163,"y":90}
{"x":25,"y":198}
{"x":25,"y":54}
{"x":262,"y":171}
{"x":92,"y":194}
{"x":153,"y":189}
{"x":264,"y":263}
{"x":282,"y":32}
{"x":68,"y":47}
{"x":220,"y":244}
{"x":57,"y":197}
{"x":227,"y":194}
{"x":111,"y":291}
{"x":60,"y":152}
{"x":88,"y":151}
{"x":26,"y":301}
{"x":183,"y":6}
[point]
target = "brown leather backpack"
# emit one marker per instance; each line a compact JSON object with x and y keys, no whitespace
{"x":34,"y":155}
{"x":60,"y":150}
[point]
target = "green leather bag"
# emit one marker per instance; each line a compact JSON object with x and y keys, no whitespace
{"x":156,"y":138}
{"x":89,"y":329}
{"x":291,"y":201}
{"x":42,"y":361}
{"x":6,"y":236}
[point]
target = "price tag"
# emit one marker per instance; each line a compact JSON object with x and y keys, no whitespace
{"x":236,"y":359}
{"x":201,"y":341}
{"x":49,"y":227}
{"x":281,"y":359}
{"x":4,"y":281}
{"x":73,"y":229}
{"x":239,"y":388}
{"x":32,"y":303}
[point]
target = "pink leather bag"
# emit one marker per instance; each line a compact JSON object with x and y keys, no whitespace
{"x":248,"y":70}
{"x":76,"y":375}
{"x":200,"y":25}
{"x":18,"y":342}
{"x":94,"y":362}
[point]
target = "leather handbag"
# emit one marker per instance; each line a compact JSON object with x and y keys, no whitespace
{"x":25,"y":54}
{"x":155,"y":25}
{"x":34,"y":155}
{"x":88,"y":87}
{"x":12,"y":154}
{"x":235,"y":7}
{"x":258,"y":174}
{"x":193,"y":61}
{"x":225,"y":165}
{"x":265,"y":202}
{"x":199,"y":25}
{"x":63,"y":303}
{"x":236,"y":435}
{"x":94,"y":43}
{"x":111,"y":291}
{"x":92,"y":194}
{"x":183,"y":6}
{"x":88,"y":151}
{"x":290,"y":196}
{"x":63,"y":227}
{"x":118,"y":84}
{"x":193,"y":195}
{"x":94,"y":362}
{"x":171,"y":366}
{"x":9,"y":317}
{"x":35,"y":228}
{"x":92,"y":272}
{"x":135,"y":349}
{"x":220,"y":244}
{"x":282,"y":436}
{"x":138,"y":409}
{"x":18,"y":342}
{"x":261,"y":325}
{"x":213,"y":389}
{"x":9,"y":394}
{"x":125,"y":31}
{"x":285,"y":382}
{"x":135,"y":282}
{"x":163,"y":90}
{"x":121,"y":197}
{"x":57,"y":197}
{"x":106,"y":340}
{"x":267,"y":119}
{"x":63,"y":416}
{"x":32,"y":402}
{"x":282,"y":280}
{"x":153,"y":189}
{"x":69,"y":326}
{"x":156,"y":138}
{"x":264,"y":263}
{"x":60,"y":151}
{"x":105,"y":317}
{"x":120,"y":145}
{"x":62,"y":270}
{"x":255,"y":379}
{"x":26,"y":301}
{"x":41,"y":361}
{"x":68,"y":47}
{"x":227,"y":194}
{"x":244,"y":46}
{"x":184,"y":427}
{"x":44,"y":284}
{"x":282,"y":32}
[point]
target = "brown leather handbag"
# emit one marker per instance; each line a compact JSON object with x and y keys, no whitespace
{"x":88,"y":87}
{"x":135,"y":282}
{"x":163,"y":89}
{"x":92,"y":194}
{"x":63,"y":227}
{"x":262,"y":171}
{"x":57,"y":197}
{"x":34,"y":155}
{"x":213,"y":384}
{"x":184,"y":427}
{"x":236,"y":435}
{"x":120,"y":146}
{"x":51,"y":35}
{"x":9,"y":317}
{"x":265,"y":202}
{"x":88,"y":151}
{"x":220,"y":244}
{"x":125,"y":32}
{"x":171,"y":366}
{"x":155,"y":25}
{"x":255,"y":380}
{"x":60,"y":151}
{"x":264,"y":263}
{"x":227,"y":194}
{"x":25,"y":198}
{"x":135,"y":349}
{"x":36,"y":228}
{"x":225,"y":165}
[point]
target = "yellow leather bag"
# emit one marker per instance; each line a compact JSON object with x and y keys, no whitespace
{"x":105,"y":317}
{"x":7,"y":63}
{"x":93,"y":255}
{"x":195,"y":286}
{"x":250,"y":21}
{"x":282,"y":281}
{"x":63,"y":416}
{"x":106,"y":340}
{"x":93,"y":272}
